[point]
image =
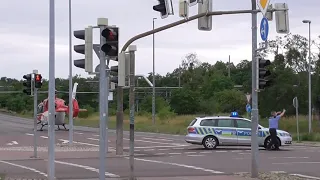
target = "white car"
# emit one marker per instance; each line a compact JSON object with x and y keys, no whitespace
{"x":229,"y":131}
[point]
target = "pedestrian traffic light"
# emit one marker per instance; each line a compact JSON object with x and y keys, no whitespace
{"x":264,"y":73}
{"x":27,"y":84}
{"x":37,"y":81}
{"x":111,"y":44}
{"x":86,"y":49}
{"x":163,"y":8}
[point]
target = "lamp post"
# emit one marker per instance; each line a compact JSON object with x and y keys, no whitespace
{"x":153,"y":80}
{"x":309,"y":74}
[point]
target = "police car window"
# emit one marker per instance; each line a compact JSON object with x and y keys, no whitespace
{"x":208,"y":122}
{"x":192,"y":122}
{"x":243,"y":124}
{"x":226,"y":123}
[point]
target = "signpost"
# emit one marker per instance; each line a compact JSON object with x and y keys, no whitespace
{"x":296,"y":105}
{"x":263,"y":6}
{"x":248,"y":108}
{"x":264,"y":29}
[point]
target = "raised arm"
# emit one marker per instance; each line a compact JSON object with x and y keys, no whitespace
{"x":282,"y":113}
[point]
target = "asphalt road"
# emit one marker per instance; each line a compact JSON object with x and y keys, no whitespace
{"x":155,"y":155}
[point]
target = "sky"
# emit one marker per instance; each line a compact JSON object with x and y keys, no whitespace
{"x":24,"y":33}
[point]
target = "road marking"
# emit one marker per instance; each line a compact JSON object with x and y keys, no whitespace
{"x":190,"y":152}
{"x":12,"y":143}
{"x":149,"y":150}
{"x":244,"y":153}
{"x":28,"y":134}
{"x":195,"y":155}
{"x":289,"y":157}
{"x":86,"y":167}
{"x":157,"y":139}
{"x":163,"y":149}
{"x":278,"y":172}
{"x":206,"y":152}
{"x":45,"y":137}
{"x":148,"y":147}
{"x":160,"y":153}
{"x":221,"y":151}
{"x":94,"y":139}
{"x":236,"y":151}
{"x":180,"y":165}
{"x":178,"y":148}
{"x":78,"y":133}
{"x":95,"y":145}
{"x":298,"y":163}
{"x":153,"y":142}
{"x":305,"y":176}
{"x":25,"y":167}
{"x":174,"y":153}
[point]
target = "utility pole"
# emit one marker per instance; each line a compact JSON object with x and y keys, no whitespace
{"x":229,"y":68}
{"x":153,"y":80}
{"x":51,"y":131}
{"x":132,"y":50}
{"x":70,"y":80}
{"x":255,"y":112}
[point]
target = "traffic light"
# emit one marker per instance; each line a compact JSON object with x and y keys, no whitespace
{"x":111,"y":43}
{"x":163,"y":8}
{"x":27,"y":84}
{"x":264,"y":73}
{"x":282,"y":18}
{"x":37,"y":81}
{"x":86,"y":49}
{"x":119,"y":72}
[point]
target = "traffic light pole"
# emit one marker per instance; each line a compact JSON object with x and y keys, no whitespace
{"x":132,"y":50}
{"x":35,"y":112}
{"x":255,"y":111}
{"x":103,"y":108}
{"x":51,"y":131}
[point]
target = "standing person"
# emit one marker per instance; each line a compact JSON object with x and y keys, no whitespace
{"x":273,"y":126}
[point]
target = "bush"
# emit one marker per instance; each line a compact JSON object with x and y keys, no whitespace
{"x":166,"y":114}
{"x":87,"y":113}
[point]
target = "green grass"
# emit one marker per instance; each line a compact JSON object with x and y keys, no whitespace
{"x":2,"y":176}
{"x":178,"y":124}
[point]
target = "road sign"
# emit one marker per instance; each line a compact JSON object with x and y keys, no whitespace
{"x":263,"y":6}
{"x":248,"y":108}
{"x":295,"y":102}
{"x":264,"y":29}
{"x":248,"y":96}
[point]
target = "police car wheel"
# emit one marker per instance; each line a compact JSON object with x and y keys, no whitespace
{"x":210,"y":142}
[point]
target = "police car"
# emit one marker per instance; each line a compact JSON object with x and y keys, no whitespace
{"x":213,"y":131}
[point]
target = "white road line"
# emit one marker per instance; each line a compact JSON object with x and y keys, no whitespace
{"x":244,"y":153}
{"x":190,"y":152}
{"x":153,"y":142}
{"x":12,"y":143}
{"x":305,"y":176}
{"x":94,"y":139}
{"x":149,"y":150}
{"x":174,"y":153}
{"x":148,"y":147}
{"x":278,"y":172}
{"x":180,"y":165}
{"x":157,"y":139}
{"x":160,"y":153}
{"x":236,"y":151}
{"x":44,"y":137}
{"x":95,"y":145}
{"x":163,"y":149}
{"x":178,"y":148}
{"x":289,"y":157}
{"x":28,"y":134}
{"x":221,"y":151}
{"x":195,"y":155}
{"x":206,"y":152}
{"x":78,"y":133}
{"x":298,"y":163}
{"x":87,"y":168}
{"x":25,"y":167}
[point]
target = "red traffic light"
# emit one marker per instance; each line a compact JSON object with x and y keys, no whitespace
{"x":111,"y":34}
{"x":38,"y":77}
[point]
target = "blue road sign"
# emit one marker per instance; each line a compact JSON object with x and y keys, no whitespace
{"x":248,"y":108}
{"x":264,"y":29}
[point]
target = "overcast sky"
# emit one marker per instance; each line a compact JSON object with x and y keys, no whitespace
{"x":24,"y":33}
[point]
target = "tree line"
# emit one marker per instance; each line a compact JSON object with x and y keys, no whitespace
{"x":197,"y":87}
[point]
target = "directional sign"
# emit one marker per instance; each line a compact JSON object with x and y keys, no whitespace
{"x":264,"y":29}
{"x":263,"y":6}
{"x":248,"y":108}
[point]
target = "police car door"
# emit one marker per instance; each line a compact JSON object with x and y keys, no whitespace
{"x":243,"y":131}
{"x":226,"y":131}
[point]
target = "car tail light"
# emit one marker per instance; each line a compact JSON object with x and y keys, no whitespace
{"x":191,"y":130}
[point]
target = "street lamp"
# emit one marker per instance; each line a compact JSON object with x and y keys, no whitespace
{"x":153,"y":79}
{"x":70,"y":79}
{"x":309,"y":69}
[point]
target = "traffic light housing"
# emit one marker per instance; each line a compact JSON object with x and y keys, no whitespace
{"x":264,"y":73}
{"x":27,"y":84}
{"x":86,"y":49}
{"x":111,"y":44}
{"x":37,"y":81}
{"x":163,"y":8}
